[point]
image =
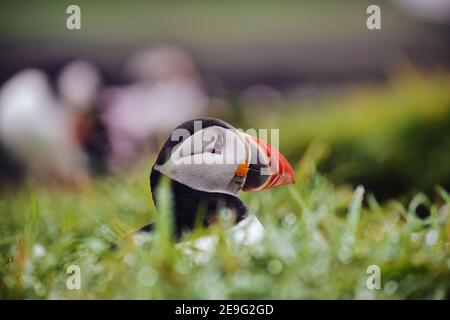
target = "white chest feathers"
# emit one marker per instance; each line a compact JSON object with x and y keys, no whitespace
{"x":247,"y":232}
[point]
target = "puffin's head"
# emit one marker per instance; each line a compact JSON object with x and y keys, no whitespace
{"x":210,"y":155}
{"x":209,"y":162}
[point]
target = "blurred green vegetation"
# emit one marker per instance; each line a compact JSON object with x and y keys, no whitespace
{"x":392,"y":138}
{"x":321,"y":236}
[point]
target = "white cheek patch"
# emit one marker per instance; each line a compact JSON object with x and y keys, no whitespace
{"x":194,"y":164}
{"x":203,"y":177}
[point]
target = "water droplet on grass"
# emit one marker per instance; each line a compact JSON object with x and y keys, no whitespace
{"x":274,"y":267}
{"x":432,"y":237}
{"x":139,"y":239}
{"x":391,"y":287}
{"x":40,"y":289}
{"x":97,"y":245}
{"x":345,"y":254}
{"x":39,"y":250}
{"x":130,"y":259}
{"x":415,"y":237}
{"x":147,"y":277}
{"x":289,"y":219}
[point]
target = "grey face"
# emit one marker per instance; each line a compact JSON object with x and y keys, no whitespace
{"x":208,"y":160}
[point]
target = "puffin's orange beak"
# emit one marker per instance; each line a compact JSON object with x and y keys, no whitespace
{"x":276,"y":172}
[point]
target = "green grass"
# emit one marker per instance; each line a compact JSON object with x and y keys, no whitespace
{"x":320,"y":240}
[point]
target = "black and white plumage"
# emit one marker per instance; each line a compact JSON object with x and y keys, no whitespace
{"x":208,"y":162}
{"x":56,"y":134}
{"x":35,"y":127}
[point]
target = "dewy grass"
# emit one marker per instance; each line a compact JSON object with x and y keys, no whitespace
{"x":354,"y":211}
{"x":320,"y":240}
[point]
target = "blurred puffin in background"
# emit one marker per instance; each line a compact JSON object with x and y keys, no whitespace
{"x":208,"y":162}
{"x":35,"y":129}
{"x":54,"y":135}
{"x":166,"y":91}
{"x":79,"y":85}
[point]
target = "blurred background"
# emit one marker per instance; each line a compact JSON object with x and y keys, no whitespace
{"x":76,"y":104}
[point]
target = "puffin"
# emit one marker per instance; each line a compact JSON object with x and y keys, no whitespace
{"x":53,"y":128}
{"x":79,"y":87}
{"x":208,"y":163}
{"x":36,"y":128}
